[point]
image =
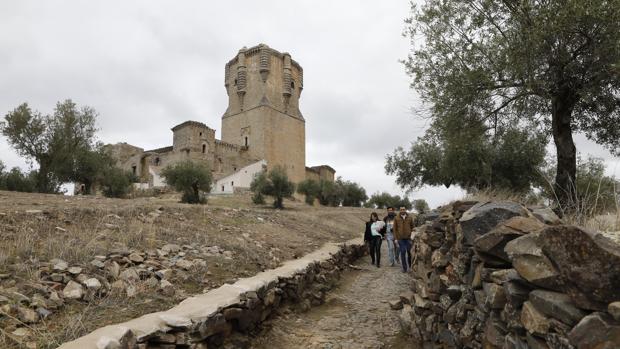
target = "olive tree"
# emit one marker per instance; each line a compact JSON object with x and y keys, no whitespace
{"x":190,"y":178}
{"x":549,"y":65}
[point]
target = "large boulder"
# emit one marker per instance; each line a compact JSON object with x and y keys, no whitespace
{"x":588,"y":263}
{"x":531,"y":263}
{"x":493,"y":242}
{"x":484,"y":216}
{"x":557,"y":305}
{"x":596,"y":331}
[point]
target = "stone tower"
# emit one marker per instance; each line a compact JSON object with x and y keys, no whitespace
{"x":263,"y":87}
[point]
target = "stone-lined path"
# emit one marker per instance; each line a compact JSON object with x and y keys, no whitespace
{"x":356,"y":314}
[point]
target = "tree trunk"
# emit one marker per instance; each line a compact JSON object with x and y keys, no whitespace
{"x":43,"y":178}
{"x":196,"y":192}
{"x":562,"y":106}
{"x":88,"y":187}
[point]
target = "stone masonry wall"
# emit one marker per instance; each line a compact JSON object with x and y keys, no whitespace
{"x":208,"y":319}
{"x":500,"y":275}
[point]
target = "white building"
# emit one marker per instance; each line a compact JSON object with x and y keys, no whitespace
{"x":240,"y":179}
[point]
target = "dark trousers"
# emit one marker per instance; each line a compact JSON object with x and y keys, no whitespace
{"x":375,"y":250}
{"x":405,"y":253}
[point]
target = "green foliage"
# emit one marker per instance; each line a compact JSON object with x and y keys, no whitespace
{"x":257,"y":186}
{"x":310,"y":188}
{"x":190,"y":178}
{"x":278,"y":186}
{"x":421,"y":206}
{"x":471,"y":158}
{"x":596,"y":192}
{"x":353,"y":194}
{"x":16,"y":180}
{"x":274,"y":183}
{"x":341,"y":192}
{"x":55,"y":142}
{"x":329,"y":193}
{"x":385,"y":200}
{"x":550,"y":66}
{"x":116,"y":183}
{"x":91,"y":166}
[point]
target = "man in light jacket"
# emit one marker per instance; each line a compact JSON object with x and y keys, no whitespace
{"x":403,"y":226}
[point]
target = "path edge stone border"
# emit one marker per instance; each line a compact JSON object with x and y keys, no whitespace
{"x":212,"y":316}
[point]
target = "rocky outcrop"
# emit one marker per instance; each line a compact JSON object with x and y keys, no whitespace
{"x":500,"y":275}
{"x":208,"y":319}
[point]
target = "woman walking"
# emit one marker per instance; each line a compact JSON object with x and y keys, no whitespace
{"x":373,"y":237}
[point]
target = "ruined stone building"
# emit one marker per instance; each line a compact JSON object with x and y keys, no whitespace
{"x":261,"y":128}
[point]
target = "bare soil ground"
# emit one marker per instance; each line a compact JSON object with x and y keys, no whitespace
{"x":356,"y":315}
{"x":228,"y":238}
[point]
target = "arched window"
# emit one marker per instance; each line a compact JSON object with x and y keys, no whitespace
{"x":235,"y":82}
{"x":292,"y":85}
{"x":246,"y":141}
{"x":157,"y":161}
{"x":204,"y":148}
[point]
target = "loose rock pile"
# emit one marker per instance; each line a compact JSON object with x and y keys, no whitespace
{"x":209,"y":319}
{"x":122,"y":271}
{"x":500,"y":275}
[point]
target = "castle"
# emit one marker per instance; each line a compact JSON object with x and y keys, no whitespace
{"x":261,"y":128}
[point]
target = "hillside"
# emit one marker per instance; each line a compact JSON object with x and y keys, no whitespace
{"x":71,"y":264}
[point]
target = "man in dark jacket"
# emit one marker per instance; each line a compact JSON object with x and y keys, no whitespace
{"x":403,"y":226}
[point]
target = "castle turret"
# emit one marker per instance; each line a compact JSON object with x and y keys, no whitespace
{"x":263,"y":87}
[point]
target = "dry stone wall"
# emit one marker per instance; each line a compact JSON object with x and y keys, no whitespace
{"x":500,"y":275}
{"x":207,"y":320}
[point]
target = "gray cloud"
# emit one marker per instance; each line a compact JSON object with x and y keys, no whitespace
{"x":146,"y":66}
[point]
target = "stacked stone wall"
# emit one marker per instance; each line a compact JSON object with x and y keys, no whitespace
{"x":500,"y":275}
{"x":207,"y":320}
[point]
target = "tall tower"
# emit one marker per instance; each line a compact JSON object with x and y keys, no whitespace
{"x":263,"y":87}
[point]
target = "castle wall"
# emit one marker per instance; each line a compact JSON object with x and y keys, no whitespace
{"x":128,"y":157}
{"x":273,"y":136}
{"x":229,"y":158}
{"x":261,"y":75}
{"x":312,"y":174}
{"x":263,"y":87}
{"x":262,"y":122}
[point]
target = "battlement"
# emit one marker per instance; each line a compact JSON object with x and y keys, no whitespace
{"x":191,"y":123}
{"x":258,"y":49}
{"x":262,"y":76}
{"x":229,"y":146}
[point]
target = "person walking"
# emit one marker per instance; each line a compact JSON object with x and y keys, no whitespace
{"x":403,"y":226}
{"x":389,"y":235}
{"x":372,"y":236}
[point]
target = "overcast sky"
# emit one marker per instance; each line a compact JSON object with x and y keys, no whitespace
{"x":146,"y":66}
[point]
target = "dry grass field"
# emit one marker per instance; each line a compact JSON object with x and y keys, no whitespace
{"x":48,"y":242}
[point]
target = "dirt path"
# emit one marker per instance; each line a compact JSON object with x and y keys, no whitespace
{"x":355,"y":315}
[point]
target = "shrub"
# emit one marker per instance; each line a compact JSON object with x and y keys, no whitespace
{"x":421,"y":206}
{"x":310,"y":188}
{"x":16,"y":180}
{"x":275,"y":184}
{"x":385,"y":199}
{"x":191,"y":179}
{"x":329,"y":193}
{"x":258,"y":183}
{"x":116,"y":183}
